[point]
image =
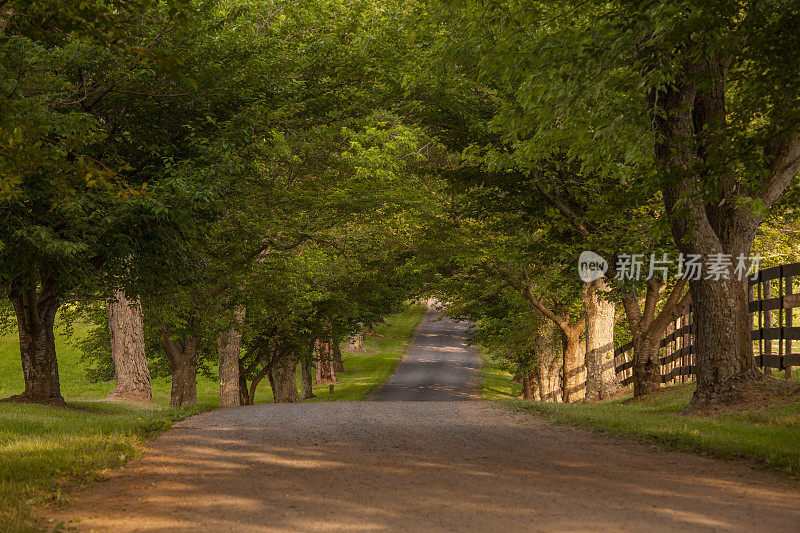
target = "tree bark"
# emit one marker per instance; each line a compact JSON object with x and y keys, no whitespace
{"x":574,"y":380}
{"x":182,"y":355}
{"x":283,"y":380}
{"x":527,"y":386}
{"x":229,"y":345}
{"x":647,"y":329}
{"x":306,"y":380}
{"x":126,"y":326}
{"x":325,"y":371}
{"x":36,"y":315}
{"x":336,"y":352}
{"x":722,"y":319}
{"x":601,"y":377}
{"x":549,"y":363}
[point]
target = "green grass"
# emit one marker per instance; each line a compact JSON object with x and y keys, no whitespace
{"x":44,"y":449}
{"x":495,"y":382}
{"x":770,"y":436}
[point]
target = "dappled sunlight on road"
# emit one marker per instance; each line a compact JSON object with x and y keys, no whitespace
{"x":423,"y":459}
{"x":425,"y":465}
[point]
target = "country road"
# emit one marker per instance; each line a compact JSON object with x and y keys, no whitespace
{"x":438,"y":367}
{"x":426,"y":457}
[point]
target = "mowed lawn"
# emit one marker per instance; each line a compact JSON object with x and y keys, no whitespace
{"x":770,"y":436}
{"x":45,"y":449}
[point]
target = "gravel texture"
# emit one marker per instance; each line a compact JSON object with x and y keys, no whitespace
{"x":437,"y":465}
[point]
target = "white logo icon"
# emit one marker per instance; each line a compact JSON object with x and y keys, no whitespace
{"x":591,"y":267}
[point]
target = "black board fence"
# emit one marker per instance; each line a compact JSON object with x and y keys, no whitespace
{"x":775,"y":310}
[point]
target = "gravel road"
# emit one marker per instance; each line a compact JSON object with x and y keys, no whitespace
{"x":437,"y":465}
{"x":438,"y":367}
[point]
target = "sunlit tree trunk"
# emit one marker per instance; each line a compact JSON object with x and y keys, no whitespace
{"x":547,"y":348}
{"x":126,"y":327}
{"x":356,"y":342}
{"x":325,"y":371}
{"x":574,"y":379}
{"x":229,"y":345}
{"x":601,"y":378}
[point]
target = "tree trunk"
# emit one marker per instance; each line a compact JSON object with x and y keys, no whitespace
{"x":336,"y":352}
{"x":306,"y":380}
{"x":325,"y":371}
{"x":690,"y":122}
{"x":283,"y":380}
{"x":244,"y":394}
{"x":646,"y":366}
{"x":527,"y":386}
{"x":229,"y":345}
{"x":549,"y":362}
{"x":125,"y":323}
{"x":723,"y":347}
{"x":574,"y":380}
{"x":36,"y":315}
{"x":648,"y":328}
{"x":356,"y":342}
{"x":601,"y":378}
{"x":182,"y":355}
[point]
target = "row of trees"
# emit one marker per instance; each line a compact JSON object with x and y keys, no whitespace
{"x":214,"y":181}
{"x":263,"y":175}
{"x":622,"y":127}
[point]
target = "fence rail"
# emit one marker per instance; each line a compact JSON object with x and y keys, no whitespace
{"x":774,"y":297}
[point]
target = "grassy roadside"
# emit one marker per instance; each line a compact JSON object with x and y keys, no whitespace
{"x":770,"y":436}
{"x":45,"y":449}
{"x":495,"y":382}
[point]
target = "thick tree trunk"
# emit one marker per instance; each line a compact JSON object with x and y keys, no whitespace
{"x":601,"y":378}
{"x":229,"y":345}
{"x":325,"y":371}
{"x":549,"y":363}
{"x":690,"y":122}
{"x":336,"y":352}
{"x":182,"y":355}
{"x":283,"y":380}
{"x":723,"y":348}
{"x":574,"y":370}
{"x":125,"y":323}
{"x":36,"y":315}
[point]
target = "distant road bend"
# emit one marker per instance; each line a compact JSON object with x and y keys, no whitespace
{"x":425,"y":457}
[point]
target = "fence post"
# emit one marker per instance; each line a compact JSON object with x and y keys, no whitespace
{"x":789,"y":311}
{"x":767,"y":324}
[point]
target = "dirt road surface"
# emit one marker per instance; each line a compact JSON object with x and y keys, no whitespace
{"x":437,"y":465}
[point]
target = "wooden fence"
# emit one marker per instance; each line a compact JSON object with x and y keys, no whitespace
{"x":774,"y":299}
